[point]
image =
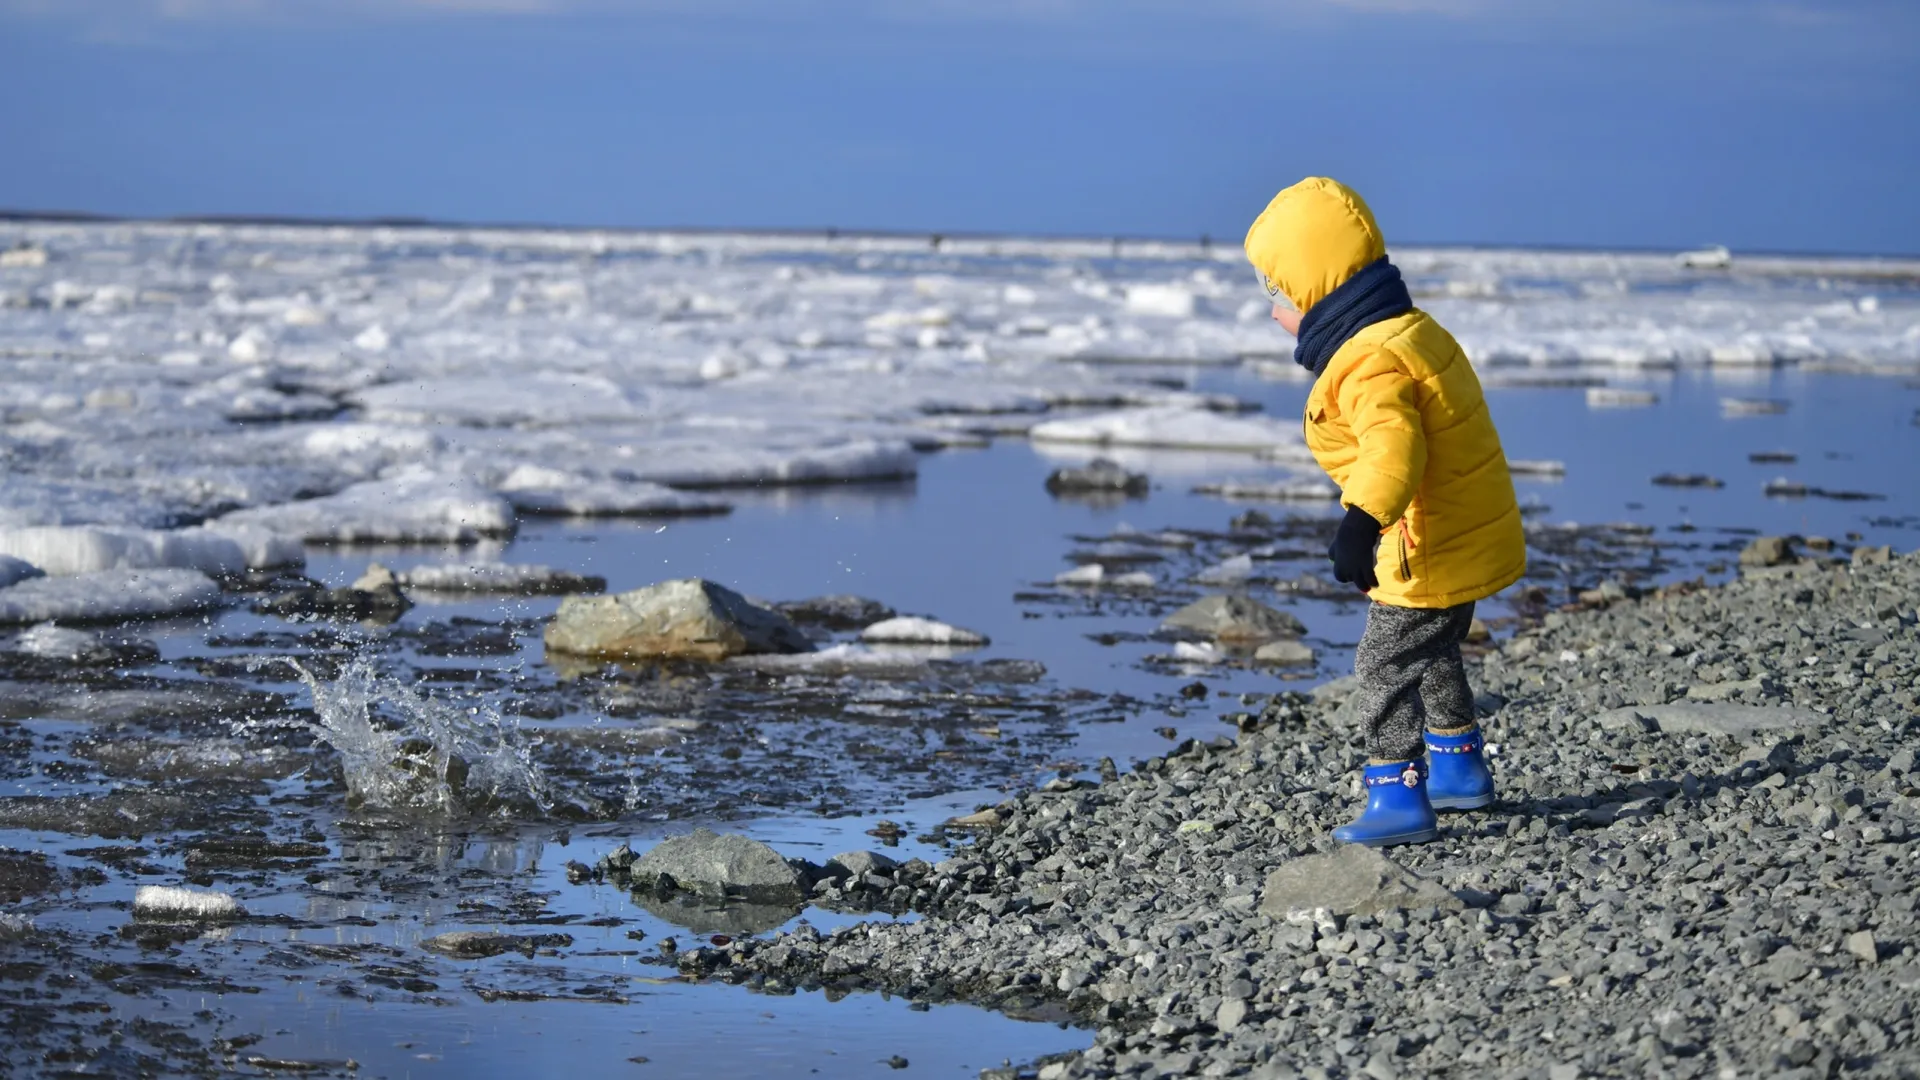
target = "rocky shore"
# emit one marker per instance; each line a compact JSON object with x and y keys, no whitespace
{"x":1702,"y":865}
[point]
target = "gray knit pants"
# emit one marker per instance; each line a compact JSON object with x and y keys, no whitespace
{"x":1411,"y":678}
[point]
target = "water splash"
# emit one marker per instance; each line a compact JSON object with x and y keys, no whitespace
{"x":404,"y":750}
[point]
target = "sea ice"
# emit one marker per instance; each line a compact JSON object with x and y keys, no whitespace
{"x":909,"y":630}
{"x":180,"y":903}
{"x":259,"y":366}
{"x":108,"y":596}
{"x":415,"y":506}
{"x":87,"y":549}
{"x":1173,"y":428}
{"x":536,"y":489}
{"x":1090,"y":574}
{"x":498,"y":578}
{"x":1289,"y":490}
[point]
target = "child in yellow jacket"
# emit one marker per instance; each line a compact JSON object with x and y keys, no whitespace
{"x":1397,"y":419}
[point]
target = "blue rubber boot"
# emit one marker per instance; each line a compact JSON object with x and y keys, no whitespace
{"x":1397,"y":810}
{"x":1459,"y":778}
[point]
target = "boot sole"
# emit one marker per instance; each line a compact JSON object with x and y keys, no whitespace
{"x":1470,"y":802}
{"x":1419,"y":837}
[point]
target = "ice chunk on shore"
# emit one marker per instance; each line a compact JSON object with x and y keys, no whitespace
{"x":1173,"y":428}
{"x":415,"y":506}
{"x":499,"y":578}
{"x":909,"y":630}
{"x":108,"y":596}
{"x":14,"y":570}
{"x":535,"y":489}
{"x":179,"y":903}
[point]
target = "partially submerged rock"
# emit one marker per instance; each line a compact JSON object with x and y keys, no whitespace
{"x":1232,"y":618}
{"x":721,"y":866}
{"x":1767,"y":551}
{"x":691,"y":618}
{"x":836,"y":612}
{"x":13,"y":571}
{"x":1098,"y":477}
{"x":1284,"y":654}
{"x":480,"y":944}
{"x":1350,"y":880}
{"x":374,"y":596}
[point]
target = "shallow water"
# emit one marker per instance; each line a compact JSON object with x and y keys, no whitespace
{"x":330,"y":968}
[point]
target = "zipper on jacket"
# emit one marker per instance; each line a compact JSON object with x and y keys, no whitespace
{"x":1406,"y":569}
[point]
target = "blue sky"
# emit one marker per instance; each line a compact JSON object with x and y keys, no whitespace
{"x":1662,"y":123}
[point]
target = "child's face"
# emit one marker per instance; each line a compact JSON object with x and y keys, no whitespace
{"x":1283,"y":312}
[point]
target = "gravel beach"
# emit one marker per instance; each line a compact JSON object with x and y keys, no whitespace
{"x":1701,"y":866}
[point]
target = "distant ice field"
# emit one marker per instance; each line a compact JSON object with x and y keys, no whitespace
{"x":335,"y":384}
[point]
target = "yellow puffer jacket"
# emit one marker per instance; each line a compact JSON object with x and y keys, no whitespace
{"x":1397,"y":418}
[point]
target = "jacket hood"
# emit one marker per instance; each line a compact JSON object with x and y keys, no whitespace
{"x":1312,"y":237}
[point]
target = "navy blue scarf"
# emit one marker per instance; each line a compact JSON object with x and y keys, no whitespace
{"x":1373,"y":294}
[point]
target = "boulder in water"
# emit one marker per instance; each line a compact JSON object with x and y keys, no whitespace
{"x":722,"y":866}
{"x":691,"y":618}
{"x":1232,"y":618}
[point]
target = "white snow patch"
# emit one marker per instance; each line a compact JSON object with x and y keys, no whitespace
{"x":108,"y":596}
{"x":1090,"y":574}
{"x":1173,"y":427}
{"x":415,"y":506}
{"x":86,"y":549}
{"x":50,"y":642}
{"x":1271,"y":490}
{"x":1607,"y":397}
{"x":743,"y":465}
{"x":492,"y":577}
{"x":170,"y":902}
{"x":1163,"y":301}
{"x":1197,"y":652}
{"x":537,"y":489}
{"x":13,"y":927}
{"x":911,"y":630}
{"x":1235,"y":568}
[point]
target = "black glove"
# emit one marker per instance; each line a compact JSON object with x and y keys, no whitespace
{"x":1352,"y":549}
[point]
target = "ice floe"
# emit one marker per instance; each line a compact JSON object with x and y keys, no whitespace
{"x":167,"y":902}
{"x":109,"y":595}
{"x":1173,"y":428}
{"x":61,"y":551}
{"x":910,"y":630}
{"x":498,"y":578}
{"x":345,"y":383}
{"x":415,"y":506}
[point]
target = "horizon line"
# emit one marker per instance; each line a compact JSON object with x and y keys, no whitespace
{"x":411,"y":221}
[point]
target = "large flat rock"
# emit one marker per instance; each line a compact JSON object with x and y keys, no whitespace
{"x":1712,"y":718}
{"x":1350,"y":880}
